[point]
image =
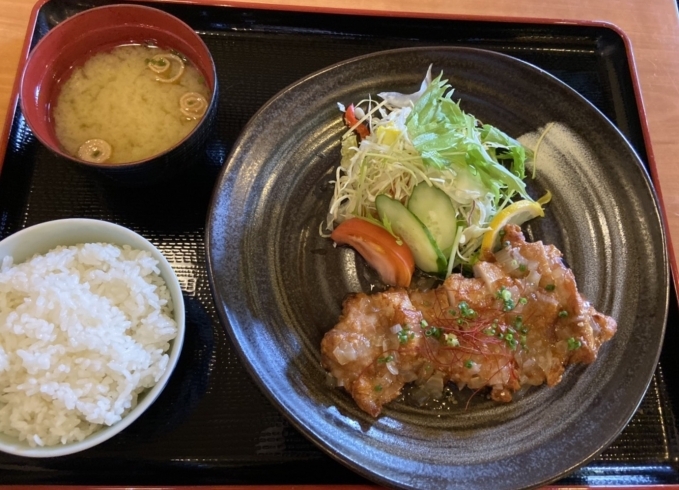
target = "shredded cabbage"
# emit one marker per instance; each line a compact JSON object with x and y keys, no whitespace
{"x":426,"y":136}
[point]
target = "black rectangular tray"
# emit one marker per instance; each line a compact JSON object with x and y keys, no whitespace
{"x":212,"y":424}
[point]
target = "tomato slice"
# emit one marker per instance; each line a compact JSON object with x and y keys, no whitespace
{"x":350,"y":120}
{"x":393,"y":261}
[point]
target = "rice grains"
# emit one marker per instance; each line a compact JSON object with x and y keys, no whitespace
{"x":83,"y":331}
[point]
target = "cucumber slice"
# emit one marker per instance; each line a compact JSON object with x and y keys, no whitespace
{"x":405,"y":225}
{"x":435,"y":210}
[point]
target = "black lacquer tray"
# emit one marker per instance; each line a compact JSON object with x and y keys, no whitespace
{"x":212,"y":424}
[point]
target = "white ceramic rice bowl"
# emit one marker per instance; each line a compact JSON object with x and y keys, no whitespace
{"x":41,"y":238}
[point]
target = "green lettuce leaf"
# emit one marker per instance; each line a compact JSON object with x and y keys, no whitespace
{"x":446,"y":136}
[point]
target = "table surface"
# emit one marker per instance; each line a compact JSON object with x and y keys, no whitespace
{"x":651,"y":28}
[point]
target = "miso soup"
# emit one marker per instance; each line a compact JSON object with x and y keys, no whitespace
{"x":129,"y":104}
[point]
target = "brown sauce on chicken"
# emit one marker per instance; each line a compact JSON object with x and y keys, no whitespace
{"x":519,"y":321}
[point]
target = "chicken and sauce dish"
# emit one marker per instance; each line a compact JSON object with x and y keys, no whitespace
{"x":423,"y":185}
{"x":504,"y":328}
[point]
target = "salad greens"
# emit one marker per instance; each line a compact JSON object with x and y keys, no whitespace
{"x":427,"y":137}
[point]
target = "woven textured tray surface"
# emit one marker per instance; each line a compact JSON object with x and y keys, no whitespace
{"x":212,"y":424}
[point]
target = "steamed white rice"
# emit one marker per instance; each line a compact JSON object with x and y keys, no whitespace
{"x":83,"y":331}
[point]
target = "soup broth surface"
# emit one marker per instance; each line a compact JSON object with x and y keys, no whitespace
{"x":116,"y":96}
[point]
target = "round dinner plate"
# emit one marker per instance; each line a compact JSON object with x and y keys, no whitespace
{"x":279,"y":285}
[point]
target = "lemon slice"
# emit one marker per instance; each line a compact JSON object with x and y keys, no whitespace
{"x":388,"y":135}
{"x":515,"y":214}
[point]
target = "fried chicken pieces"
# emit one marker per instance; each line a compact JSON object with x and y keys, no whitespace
{"x":519,"y":321}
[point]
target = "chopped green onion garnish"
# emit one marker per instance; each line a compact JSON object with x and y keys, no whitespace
{"x":574,"y":344}
{"x":465,"y":310}
{"x":506,"y":296}
{"x":405,"y":335}
{"x":451,"y":340}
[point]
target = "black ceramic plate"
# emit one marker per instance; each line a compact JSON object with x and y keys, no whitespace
{"x":279,"y":286}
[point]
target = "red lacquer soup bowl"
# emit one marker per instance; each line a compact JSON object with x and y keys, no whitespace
{"x":75,"y":40}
